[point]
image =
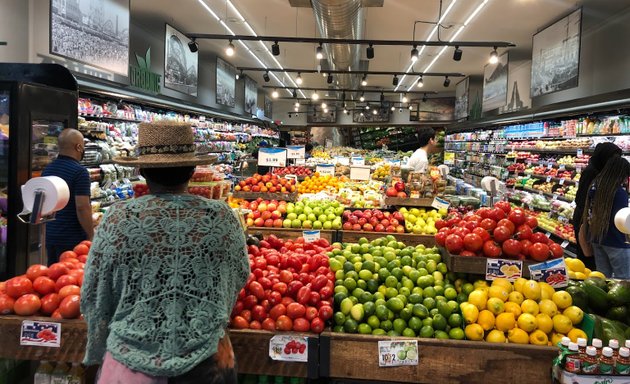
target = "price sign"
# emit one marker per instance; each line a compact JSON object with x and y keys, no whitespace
{"x":562,"y":167}
{"x":561,"y":182}
{"x":449,"y":158}
{"x":358,"y":161}
{"x":439,"y":203}
{"x":342,"y":160}
{"x":548,"y":179}
{"x":553,"y":272}
{"x":501,"y":268}
{"x":289,"y":348}
{"x":360,"y":173}
{"x":549,"y":166}
{"x":396,"y":353}
{"x":565,"y":244}
{"x":580,"y":152}
{"x":272,"y":157}
{"x":548,"y":234}
{"x":310,"y":236}
{"x":325,"y":169}
{"x":555,"y":196}
{"x":300,"y":161}
{"x":296,"y":152}
{"x":40,"y":333}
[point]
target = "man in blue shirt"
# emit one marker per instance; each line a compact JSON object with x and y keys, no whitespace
{"x":73,"y":223}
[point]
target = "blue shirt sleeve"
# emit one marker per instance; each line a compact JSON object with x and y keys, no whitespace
{"x":82,"y":183}
{"x":621,"y":201}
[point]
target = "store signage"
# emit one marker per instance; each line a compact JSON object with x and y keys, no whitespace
{"x":439,"y":203}
{"x":553,"y":272}
{"x":300,"y":161}
{"x":342,"y":160}
{"x":357,"y":160}
{"x":501,"y":268}
{"x":396,"y":353}
{"x":40,"y":333}
{"x":289,"y":348}
{"x":141,"y":76}
{"x":325,"y":169}
{"x":272,"y":157}
{"x":296,"y":152}
{"x":449,"y":157}
{"x":310,"y":236}
{"x":360,"y":173}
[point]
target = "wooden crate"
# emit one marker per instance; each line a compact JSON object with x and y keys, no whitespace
{"x":424,"y":202}
{"x":407,"y":238}
{"x":265,"y":196}
{"x":291,"y":233}
{"x":474,"y":265}
{"x":440,"y":361}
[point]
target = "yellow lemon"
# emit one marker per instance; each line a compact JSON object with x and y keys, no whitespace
{"x":572,"y":275}
{"x":556,"y":338}
{"x":597,"y":274}
{"x":518,"y":336}
{"x":576,"y":265}
{"x":513,"y":308}
{"x":486,"y":320}
{"x":531,"y":290}
{"x":546,"y":290}
{"x":562,"y":299}
{"x":478,"y":298}
{"x":518,"y":284}
{"x":527,"y":322}
{"x":474,"y":332}
{"x":495,"y":336}
{"x":530,"y":306}
{"x":587,"y":272}
{"x":548,"y":307}
{"x":505,"y":321}
{"x":562,"y":324}
{"x":575,"y":314}
{"x":516,"y":297}
{"x":503,"y":282}
{"x":499,"y":292}
{"x":580,"y":276}
{"x":545,"y":323}
{"x":576,"y":333}
{"x":480,"y":284}
{"x":470,"y":312}
{"x":538,"y":337}
{"x":495,"y":305}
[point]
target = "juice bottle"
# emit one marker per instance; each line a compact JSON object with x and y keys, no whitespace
{"x":590,"y":364}
{"x":43,"y":373}
{"x":606,"y":361}
{"x":597,"y":343}
{"x":614,"y":344}
{"x":581,"y":342}
{"x":572,"y":359}
{"x":76,"y":374}
{"x":59,"y":374}
{"x":622,"y":365}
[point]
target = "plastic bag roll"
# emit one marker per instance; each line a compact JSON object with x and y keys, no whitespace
{"x":622,"y":220}
{"x":55,"y":189}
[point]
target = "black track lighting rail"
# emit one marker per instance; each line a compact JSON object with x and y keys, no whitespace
{"x":360,"y":90}
{"x":336,"y":71}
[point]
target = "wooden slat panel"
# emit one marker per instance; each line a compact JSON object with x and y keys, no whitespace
{"x":290,"y":233}
{"x":265,"y":196}
{"x":474,"y":265}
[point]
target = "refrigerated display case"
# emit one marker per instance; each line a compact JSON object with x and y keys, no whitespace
{"x":36,"y":102}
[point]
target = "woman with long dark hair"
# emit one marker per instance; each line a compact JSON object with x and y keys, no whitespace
{"x":606,"y":197}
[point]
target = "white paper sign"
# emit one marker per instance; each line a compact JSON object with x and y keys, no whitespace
{"x":501,"y":268}
{"x":396,"y":353}
{"x":358,"y":160}
{"x":439,"y":203}
{"x":553,"y":272}
{"x":272,"y":157}
{"x":342,"y":160}
{"x":296,"y":152}
{"x":310,"y":236}
{"x":289,"y":348}
{"x":40,"y":333}
{"x":360,"y":173}
{"x":325,"y":169}
{"x":300,"y":161}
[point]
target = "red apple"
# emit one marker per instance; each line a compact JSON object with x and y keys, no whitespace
{"x":368,"y":227}
{"x":259,"y":222}
{"x":379,"y":228}
{"x":356,"y":227}
{"x":269,"y":223}
{"x":347,"y":226}
{"x":277,"y":223}
{"x":390,"y":228}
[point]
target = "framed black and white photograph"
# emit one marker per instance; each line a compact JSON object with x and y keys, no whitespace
{"x":433,"y":109}
{"x":495,"y":84}
{"x":226,"y":83}
{"x":251,"y":96}
{"x":180,"y":65}
{"x":93,"y":32}
{"x":318,"y":115}
{"x":461,"y":99}
{"x":518,"y":87}
{"x":382,"y":115}
{"x":556,"y":56}
{"x":268,"y":107}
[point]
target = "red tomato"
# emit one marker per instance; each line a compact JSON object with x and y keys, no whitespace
{"x":539,"y":252}
{"x":44,"y":285}
{"x":304,"y":295}
{"x":64,"y":280}
{"x":488,"y":224}
{"x":70,"y":307}
{"x":280,"y":288}
{"x":274,"y":298}
{"x":259,"y":313}
{"x":512,"y":248}
{"x":27,"y":305}
{"x":35,"y":271}
{"x":57,"y":270}
{"x":257,"y":290}
{"x":301,"y":325}
{"x":317,"y":325}
{"x":6,"y":304}
{"x":326,"y":292}
{"x":525,"y":244}
{"x":287,"y":300}
{"x":269,"y":324}
{"x":277,"y":311}
{"x":3,"y":287}
{"x":454,"y":244}
{"x":284,"y":323}
{"x":87,"y":243}
{"x":485,"y":236}
{"x":539,"y":237}
{"x":523,"y":232}
{"x":556,"y":250}
{"x":508,"y":224}
{"x":82,"y":258}
{"x":491,"y":249}
{"x":295,"y":310}
{"x":50,"y":303}
{"x":250,"y":301}
{"x":78,"y":274}
{"x":247,"y":315}
{"x":18,"y":286}
{"x":56,"y":314}
{"x":286,"y":276}
{"x":531,"y":221}
{"x":319,"y":282}
{"x":314,"y":298}
{"x":239,"y":323}
{"x":504,"y":205}
{"x":294,"y":287}
{"x":255,"y":325}
{"x":68,"y":255}
{"x":325,"y":312}
{"x":501,"y":233}
{"x":517,"y":216}
{"x":68,"y":290}
{"x":81,"y":249}
{"x":473,"y":242}
{"x":440,"y":238}
{"x":311,"y":313}
{"x":265,"y":282}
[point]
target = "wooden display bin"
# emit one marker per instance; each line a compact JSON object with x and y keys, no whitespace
{"x":475,"y":265}
{"x":291,"y":233}
{"x":423,"y":202}
{"x":407,"y":238}
{"x":439,"y":361}
{"x":265,"y":196}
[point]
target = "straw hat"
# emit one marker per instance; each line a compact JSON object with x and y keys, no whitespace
{"x":165,"y":144}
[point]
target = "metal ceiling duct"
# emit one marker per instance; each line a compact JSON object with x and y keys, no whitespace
{"x":341,"y":20}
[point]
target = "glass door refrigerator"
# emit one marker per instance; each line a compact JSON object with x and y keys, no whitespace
{"x":37,"y":101}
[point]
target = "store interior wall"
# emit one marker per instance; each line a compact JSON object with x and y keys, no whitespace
{"x":14,"y":30}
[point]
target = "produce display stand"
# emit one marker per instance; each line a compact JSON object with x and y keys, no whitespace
{"x":439,"y":361}
{"x":475,"y":265}
{"x":289,"y":197}
{"x":407,"y":238}
{"x":424,"y":202}
{"x":292,"y":233}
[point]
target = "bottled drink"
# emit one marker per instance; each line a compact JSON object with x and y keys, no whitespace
{"x":572,"y":359}
{"x":614,"y":344}
{"x":581,"y":342}
{"x":606,"y":361}
{"x":60,"y":374}
{"x":597,"y":343}
{"x":43,"y":373}
{"x":590,"y":364}
{"x":622,"y":365}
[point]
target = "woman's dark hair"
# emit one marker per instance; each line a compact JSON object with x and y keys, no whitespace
{"x":425,"y":136}
{"x":614,"y":175}
{"x":603,"y":152}
{"x":168,"y":177}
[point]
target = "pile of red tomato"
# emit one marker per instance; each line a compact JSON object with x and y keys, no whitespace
{"x":501,"y":231}
{"x":48,"y":291}
{"x":290,"y":287}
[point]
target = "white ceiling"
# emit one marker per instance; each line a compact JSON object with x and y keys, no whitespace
{"x":499,"y":20}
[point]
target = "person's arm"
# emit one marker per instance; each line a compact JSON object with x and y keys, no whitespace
{"x":236,"y":251}
{"x":82,"y":202}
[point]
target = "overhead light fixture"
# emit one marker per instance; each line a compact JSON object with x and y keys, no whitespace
{"x":266,"y":77}
{"x":393,"y":108}
{"x":324,"y":105}
{"x":369,"y":52}
{"x":382,"y":97}
{"x":298,"y":79}
{"x":494,"y":56}
{"x":345,"y":110}
{"x":447,"y":81}
{"x":319,"y":52}
{"x":410,"y":107}
{"x":364,"y":80}
{"x":329,"y":80}
{"x":395,"y":81}
{"x":230,"y":49}
{"x":362,"y":98}
{"x":414,"y":53}
{"x":420,"y":83}
{"x":323,"y":73}
{"x":275,"y":49}
{"x":404,"y":99}
{"x":193,"y":45}
{"x":361,"y":113}
{"x":296,"y":109}
{"x":274,"y":94}
{"x":457,"y":54}
{"x":239,"y":75}
{"x":374,"y":111}
{"x":294,"y":94}
{"x":424,"y":98}
{"x":297,"y":104}
{"x":325,"y":110}
{"x":367,"y":107}
{"x":315,"y":96}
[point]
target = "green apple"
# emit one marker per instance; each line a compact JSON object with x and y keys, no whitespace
{"x":322,"y":218}
{"x":339,"y":210}
{"x":287,"y":223}
{"x":337,"y":224}
{"x":292,"y":216}
{"x":307,"y":224}
{"x":297,"y":223}
{"x":312,"y":217}
{"x":331,"y":216}
{"x":328,"y":225}
{"x":317,"y":224}
{"x":317,"y":211}
{"x":290,"y":208}
{"x":302,"y":217}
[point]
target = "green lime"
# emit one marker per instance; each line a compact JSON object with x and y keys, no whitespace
{"x":386,"y":325}
{"x":365,"y":274}
{"x":350,"y":283}
{"x":339,"y":297}
{"x":391,"y":292}
{"x":363,"y":240}
{"x":372,"y":285}
{"x":391,"y":282}
{"x":456,"y":333}
{"x":438,"y":276}
{"x":415,"y":298}
{"x":381,"y":312}
{"x":420,"y":311}
{"x":364,"y":329}
{"x":335,"y":265}
{"x":338,"y":329}
{"x":348,"y":266}
{"x":393,"y":333}
{"x":454,"y":306}
{"x":402,"y":298}
{"x":441,"y":335}
{"x":408,"y":332}
{"x":414,"y":275}
{"x":417,"y":291}
{"x":455,"y":320}
{"x":406,"y":261}
{"x":398,"y":273}
{"x":442,"y":268}
{"x":357,"y":292}
{"x":339,"y":275}
{"x":346,"y":306}
{"x":373,"y":322}
{"x":439,"y":322}
{"x":426,"y":332}
{"x":355,"y":248}
{"x":428,"y":321}
{"x":415,"y":323}
{"x":341,"y":289}
{"x":424,"y":281}
{"x":390,"y":315}
{"x":369,"y":265}
{"x":408,"y":284}
{"x":389,"y":255}
{"x":400,"y":325}
{"x":444,"y":309}
{"x":357,"y":312}
{"x":429,"y":302}
{"x":433,"y":312}
{"x":383,"y":274}
{"x":352,"y":275}
{"x":378,"y":332}
{"x":339,"y":318}
{"x":365,"y":248}
{"x":380,"y":300}
{"x":461,"y":297}
{"x":406,"y":314}
{"x":450,"y":293}
{"x":429,"y":292}
{"x":468,"y":288}
{"x":369,"y":308}
{"x":350,"y":326}
{"x":395,"y":304}
{"x":354,"y":300}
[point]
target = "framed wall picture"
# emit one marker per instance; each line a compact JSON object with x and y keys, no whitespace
{"x":180,"y":65}
{"x":92,"y":32}
{"x":433,"y":109}
{"x":518,"y":87}
{"x":226,"y":83}
{"x":317,"y":115}
{"x":495,"y":84}
{"x":556,"y":55}
{"x":268,"y":107}
{"x":382,"y":115}
{"x":461,"y":99}
{"x":251,"y":96}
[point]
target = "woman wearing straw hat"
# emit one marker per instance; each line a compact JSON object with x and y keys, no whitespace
{"x":163,"y":273}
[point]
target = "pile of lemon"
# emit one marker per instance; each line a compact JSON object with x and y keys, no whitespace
{"x":578,"y":271}
{"x":526,"y":312}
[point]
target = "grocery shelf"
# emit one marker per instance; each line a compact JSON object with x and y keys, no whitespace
{"x":561,"y":198}
{"x":408,"y":202}
{"x":109,"y":118}
{"x":265,"y":196}
{"x":407,"y":238}
{"x":292,"y":233}
{"x":538,"y":176}
{"x":475,"y":265}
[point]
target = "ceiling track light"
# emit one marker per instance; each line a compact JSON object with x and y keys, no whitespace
{"x":274,"y":94}
{"x":362,"y":98}
{"x":395,"y":80}
{"x":374,"y":111}
{"x":382,"y":97}
{"x":329,"y":80}
{"x":230,"y":49}
{"x":294,"y":94}
{"x":367,"y":107}
{"x":393,"y":108}
{"x":414,"y":53}
{"x":369,"y":52}
{"x":457,"y":54}
{"x":319,"y":52}
{"x":447,"y":81}
{"x":404,"y":98}
{"x":239,"y":75}
{"x":298,"y":79}
{"x":193,"y":45}
{"x":364,"y":80}
{"x":410,"y":107}
{"x":297,"y":104}
{"x":266,"y":77}
{"x":275,"y":49}
{"x":315,"y":96}
{"x":494,"y":56}
{"x":420,"y":83}
{"x":324,"y":105}
{"x":424,"y":98}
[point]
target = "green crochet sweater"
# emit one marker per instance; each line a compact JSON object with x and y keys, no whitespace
{"x":163,"y":274}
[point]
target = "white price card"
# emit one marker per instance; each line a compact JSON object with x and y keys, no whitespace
{"x":549,"y":166}
{"x":325,"y":169}
{"x":548,"y":234}
{"x":548,"y":178}
{"x":501,"y":268}
{"x":289,"y":348}
{"x":565,"y":244}
{"x":396,"y":353}
{"x":40,"y":333}
{"x":561,"y":181}
{"x":272,"y":157}
{"x":553,"y":272}
{"x":360,"y":173}
{"x":580,"y":152}
{"x":300,"y":161}
{"x":310,"y":236}
{"x":342,"y":160}
{"x":357,"y":160}
{"x":296,"y":152}
{"x":555,"y":196}
{"x":439,"y":203}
